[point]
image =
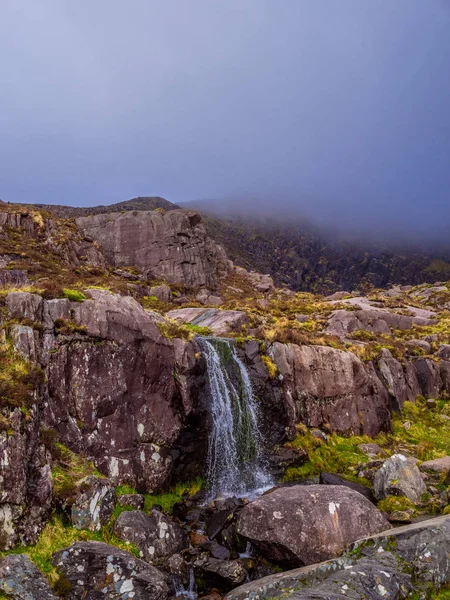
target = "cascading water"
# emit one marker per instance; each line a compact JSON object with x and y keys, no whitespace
{"x":235,"y":460}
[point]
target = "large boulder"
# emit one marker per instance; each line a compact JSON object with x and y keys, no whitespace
{"x":156,"y":536}
{"x":323,"y":385}
{"x":304,"y":524}
{"x":429,"y":376}
{"x":219,"y":321}
{"x":21,"y":579}
{"x":173,"y":246}
{"x":399,"y":476}
{"x":94,"y":505}
{"x":97,"y":570}
{"x":400,"y":379}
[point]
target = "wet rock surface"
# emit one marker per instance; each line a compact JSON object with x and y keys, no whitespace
{"x":218,"y":321}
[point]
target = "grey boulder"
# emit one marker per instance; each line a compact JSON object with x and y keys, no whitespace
{"x":304,"y":524}
{"x":97,"y":570}
{"x":156,"y":536}
{"x":399,"y":476}
{"x":22,"y":580}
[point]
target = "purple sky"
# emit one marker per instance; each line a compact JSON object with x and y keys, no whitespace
{"x":340,"y":108}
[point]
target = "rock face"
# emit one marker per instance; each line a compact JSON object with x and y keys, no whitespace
{"x":94,"y":566}
{"x":173,"y":246}
{"x":156,"y":536}
{"x":19,"y":578}
{"x":26,"y":481}
{"x":399,"y":475}
{"x":324,"y":385}
{"x":400,"y":380}
{"x":219,"y":321}
{"x":94,"y":506}
{"x":128,"y":423}
{"x":301,"y":525}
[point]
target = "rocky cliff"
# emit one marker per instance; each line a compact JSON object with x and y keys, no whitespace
{"x":170,"y":245}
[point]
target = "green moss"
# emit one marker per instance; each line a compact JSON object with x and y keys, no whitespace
{"x":392,"y":503}
{"x":340,"y":455}
{"x":271,"y":367}
{"x":168,"y":499}
{"x":74,"y":295}
{"x":58,"y":534}
{"x":198,"y":329}
{"x":68,"y":470}
{"x":125,"y":489}
{"x":18,"y":378}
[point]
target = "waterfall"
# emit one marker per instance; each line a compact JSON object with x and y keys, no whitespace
{"x":235,"y":460}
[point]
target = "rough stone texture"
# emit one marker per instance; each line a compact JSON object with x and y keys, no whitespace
{"x":324,"y":385}
{"x":173,"y":246}
{"x":98,"y":570}
{"x":372,"y":319}
{"x":94,"y":505}
{"x":400,"y":380}
{"x":330,"y":479}
{"x":438,"y":465}
{"x":428,"y":376}
{"x":230,"y":571}
{"x":219,"y":321}
{"x":136,"y":501}
{"x":23,"y":305}
{"x":399,"y":476}
{"x":444,"y":351}
{"x":162,"y":292}
{"x":26,"y":341}
{"x":128,"y":423}
{"x":156,"y":536}
{"x":21,"y":579}
{"x":389,"y":565}
{"x":58,"y":308}
{"x":301,"y":525}
{"x":25,"y":481}
{"x":13,"y":278}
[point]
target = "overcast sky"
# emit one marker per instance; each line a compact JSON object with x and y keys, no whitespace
{"x":342,"y":106}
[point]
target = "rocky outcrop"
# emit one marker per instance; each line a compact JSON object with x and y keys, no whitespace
{"x":130,"y":423}
{"x":26,"y":481}
{"x":386,"y":566}
{"x":400,"y":379}
{"x":323,"y":385}
{"x":172,"y":245}
{"x":94,"y":566}
{"x":155,"y":535}
{"x":60,"y":238}
{"x":21,"y":579}
{"x":218,"y":321}
{"x":399,"y":475}
{"x":301,"y":525}
{"x":373,"y":319}
{"x":94,"y":505}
